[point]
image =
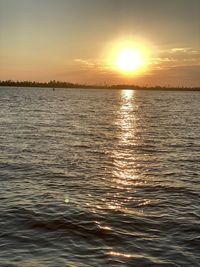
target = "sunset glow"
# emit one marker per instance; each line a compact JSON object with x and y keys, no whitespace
{"x":101,"y":42}
{"x":129,"y":61}
{"x":128,"y":58}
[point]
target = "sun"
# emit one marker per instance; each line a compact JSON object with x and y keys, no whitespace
{"x":129,"y":60}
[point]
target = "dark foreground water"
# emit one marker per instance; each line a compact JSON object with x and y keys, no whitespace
{"x":99,"y":178}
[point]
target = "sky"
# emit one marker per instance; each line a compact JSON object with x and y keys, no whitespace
{"x":71,"y":40}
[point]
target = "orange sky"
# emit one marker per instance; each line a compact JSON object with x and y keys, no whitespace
{"x":70,"y":40}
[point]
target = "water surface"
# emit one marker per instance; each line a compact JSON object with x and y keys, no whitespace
{"x":99,"y":178}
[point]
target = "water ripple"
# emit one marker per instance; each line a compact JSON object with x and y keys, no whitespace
{"x":99,"y":178}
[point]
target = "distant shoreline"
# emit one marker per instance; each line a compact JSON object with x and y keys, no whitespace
{"x":66,"y":85}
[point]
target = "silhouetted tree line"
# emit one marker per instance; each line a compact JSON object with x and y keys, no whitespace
{"x":60,"y":84}
{"x":56,"y":84}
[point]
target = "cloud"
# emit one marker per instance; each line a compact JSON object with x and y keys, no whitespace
{"x":178,"y":49}
{"x":95,"y":64}
{"x":84,"y":62}
{"x":181,"y":56}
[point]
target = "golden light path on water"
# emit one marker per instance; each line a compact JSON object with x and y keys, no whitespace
{"x":125,"y":172}
{"x":125,"y":122}
{"x":125,"y":177}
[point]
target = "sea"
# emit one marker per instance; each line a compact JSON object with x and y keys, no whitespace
{"x":94,"y":177}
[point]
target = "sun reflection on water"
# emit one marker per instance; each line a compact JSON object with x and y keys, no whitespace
{"x":124,"y":176}
{"x":123,"y":156}
{"x":118,"y":254}
{"x":128,"y":94}
{"x":126,"y":116}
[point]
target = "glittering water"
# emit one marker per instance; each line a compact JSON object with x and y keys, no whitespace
{"x":99,"y":178}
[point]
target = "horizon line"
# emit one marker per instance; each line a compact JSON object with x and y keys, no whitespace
{"x":65,"y":84}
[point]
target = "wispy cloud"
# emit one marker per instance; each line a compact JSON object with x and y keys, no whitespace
{"x":179,"y":56}
{"x":178,"y":49}
{"x":94,"y":65}
{"x":84,"y":62}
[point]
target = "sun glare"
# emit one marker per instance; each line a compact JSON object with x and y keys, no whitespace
{"x":128,"y":58}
